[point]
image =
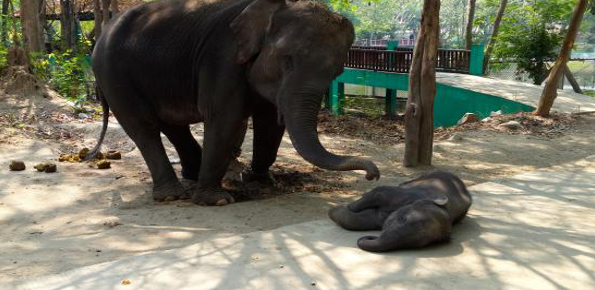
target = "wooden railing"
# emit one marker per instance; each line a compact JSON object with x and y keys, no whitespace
{"x":399,"y":61}
{"x":369,"y":47}
{"x":379,"y":60}
{"x":453,"y":60}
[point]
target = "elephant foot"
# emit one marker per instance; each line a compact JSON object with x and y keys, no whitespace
{"x":234,"y":172}
{"x":263,"y":178}
{"x":210,"y":197}
{"x":170,"y":192}
{"x":189,"y":186}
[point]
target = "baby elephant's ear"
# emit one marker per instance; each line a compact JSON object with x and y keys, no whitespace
{"x":440,"y":200}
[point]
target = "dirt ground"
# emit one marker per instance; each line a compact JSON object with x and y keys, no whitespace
{"x":81,"y":215}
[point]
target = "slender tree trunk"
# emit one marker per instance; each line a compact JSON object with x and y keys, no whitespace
{"x":550,"y":91}
{"x":469,"y":30}
{"x":4,"y":22}
{"x":115,"y":8}
{"x":419,"y":111}
{"x":30,"y":20}
{"x":98,"y":18}
{"x":67,"y":24}
{"x":45,"y":28}
{"x":492,"y":42}
{"x":572,"y":80}
{"x":105,"y":8}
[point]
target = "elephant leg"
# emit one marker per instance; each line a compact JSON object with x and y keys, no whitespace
{"x":141,"y":124}
{"x":218,"y":150}
{"x":188,"y":149}
{"x":146,"y":136}
{"x":234,"y":170}
{"x":365,"y":220}
{"x":267,"y":138}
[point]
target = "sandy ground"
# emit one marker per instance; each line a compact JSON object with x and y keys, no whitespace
{"x":82,"y":216}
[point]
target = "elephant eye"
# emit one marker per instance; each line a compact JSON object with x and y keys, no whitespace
{"x":287,"y":63}
{"x":402,"y":219}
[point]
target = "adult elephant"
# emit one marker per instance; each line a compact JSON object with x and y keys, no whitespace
{"x":164,"y":65}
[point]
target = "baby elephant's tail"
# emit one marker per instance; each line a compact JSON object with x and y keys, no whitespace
{"x":105,"y":108}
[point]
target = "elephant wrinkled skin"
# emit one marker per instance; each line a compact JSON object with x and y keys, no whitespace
{"x":412,"y":215}
{"x":164,"y":65}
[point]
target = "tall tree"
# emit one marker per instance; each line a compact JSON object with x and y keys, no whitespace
{"x":31,"y":22}
{"x":98,"y":15}
{"x":115,"y":7}
{"x":105,"y":8}
{"x":67,"y":24}
{"x":419,"y":111}
{"x":4,"y":22}
{"x":494,"y":36}
{"x":469,"y":29}
{"x":550,"y":91}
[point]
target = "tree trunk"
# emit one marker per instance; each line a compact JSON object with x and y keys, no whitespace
{"x":492,"y":42}
{"x":105,"y":8}
{"x":550,"y":92}
{"x":572,"y":80}
{"x":4,"y":22}
{"x":469,"y":30}
{"x":46,"y":30}
{"x":67,"y":25}
{"x":419,"y":111}
{"x":98,"y":19}
{"x":32,"y":30}
{"x":115,"y":8}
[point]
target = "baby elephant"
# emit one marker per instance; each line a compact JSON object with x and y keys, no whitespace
{"x":412,"y":215}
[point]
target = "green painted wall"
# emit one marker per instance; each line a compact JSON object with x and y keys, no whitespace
{"x":336,"y":99}
{"x":451,"y":103}
{"x":391,"y":45}
{"x":390,"y":102}
{"x":476,"y":59}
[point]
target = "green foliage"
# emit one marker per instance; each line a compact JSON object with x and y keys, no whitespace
{"x":65,"y":72}
{"x":531,"y":32}
{"x":586,"y":37}
{"x":366,"y":105}
{"x":531,"y":48}
{"x":399,"y":18}
{"x":3,"y":53}
{"x":341,"y":5}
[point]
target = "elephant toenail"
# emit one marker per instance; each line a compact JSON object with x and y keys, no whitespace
{"x":170,"y":198}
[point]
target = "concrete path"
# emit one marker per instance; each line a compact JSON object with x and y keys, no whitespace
{"x":532,"y":231}
{"x":566,"y":102}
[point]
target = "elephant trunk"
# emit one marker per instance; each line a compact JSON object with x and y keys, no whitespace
{"x":300,"y":113}
{"x":376,"y":244}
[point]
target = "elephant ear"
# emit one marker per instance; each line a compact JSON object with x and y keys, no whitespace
{"x":251,"y":25}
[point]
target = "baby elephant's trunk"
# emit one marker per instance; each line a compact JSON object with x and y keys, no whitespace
{"x":376,"y":244}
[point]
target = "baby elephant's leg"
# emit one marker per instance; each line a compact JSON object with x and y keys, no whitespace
{"x":365,"y":220}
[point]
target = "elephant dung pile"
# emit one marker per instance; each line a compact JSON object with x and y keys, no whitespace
{"x":16,"y":165}
{"x":100,"y":160}
{"x":46,"y":167}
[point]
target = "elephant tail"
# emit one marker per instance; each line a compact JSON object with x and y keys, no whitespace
{"x":105,"y":108}
{"x":374,"y":244}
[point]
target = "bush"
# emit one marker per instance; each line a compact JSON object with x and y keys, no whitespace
{"x":531,"y":35}
{"x":3,"y":60}
{"x":64,"y":72}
